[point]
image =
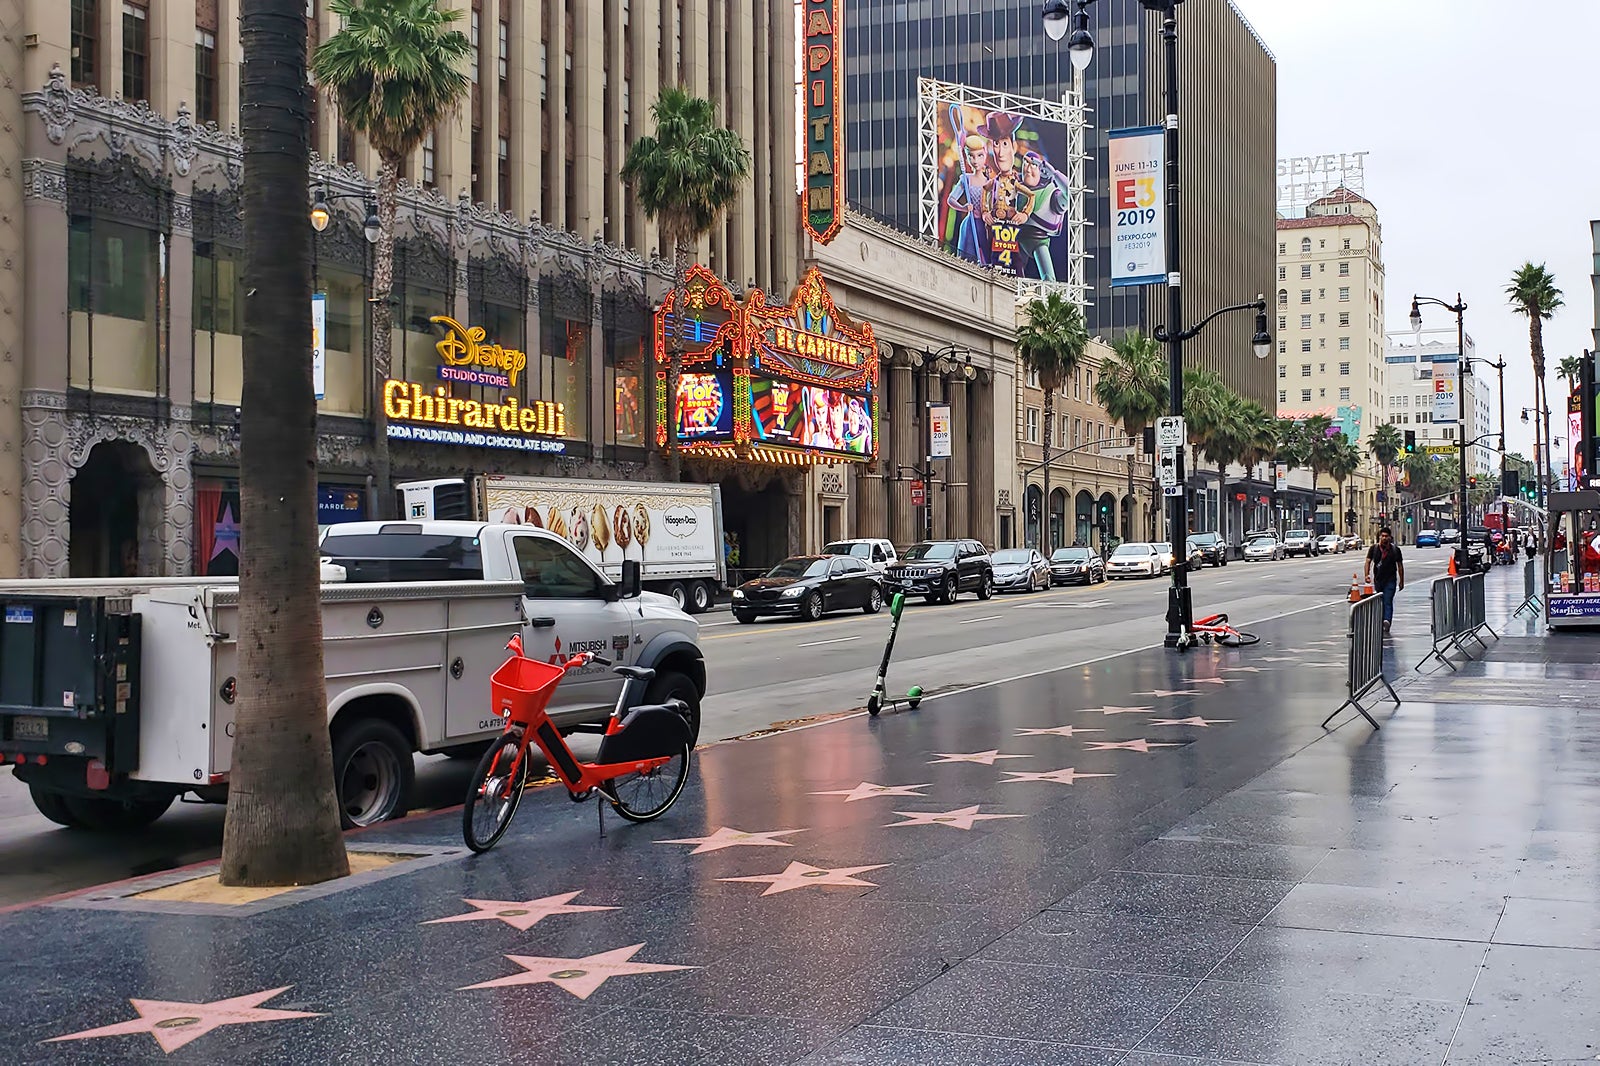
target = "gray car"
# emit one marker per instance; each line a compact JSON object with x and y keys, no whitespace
{"x":1020,"y":570}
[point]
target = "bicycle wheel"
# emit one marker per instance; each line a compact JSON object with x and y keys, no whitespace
{"x":1238,"y":639}
{"x":492,"y":797}
{"x":643,"y":797}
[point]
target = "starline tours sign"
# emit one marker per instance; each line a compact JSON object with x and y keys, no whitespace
{"x":822,"y":198}
{"x":435,"y":416}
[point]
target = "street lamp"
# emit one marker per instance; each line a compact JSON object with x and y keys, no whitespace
{"x":1180,"y":609}
{"x":321,"y":215}
{"x":1459,"y":310}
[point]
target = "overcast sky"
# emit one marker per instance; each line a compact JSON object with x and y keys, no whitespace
{"x":1480,"y":119}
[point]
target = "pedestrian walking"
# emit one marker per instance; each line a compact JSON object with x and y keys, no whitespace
{"x":1386,"y":571}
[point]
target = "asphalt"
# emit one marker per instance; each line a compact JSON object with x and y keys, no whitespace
{"x":1149,"y":859}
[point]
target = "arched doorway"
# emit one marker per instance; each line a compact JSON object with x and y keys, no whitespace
{"x":1058,"y":517}
{"x":1105,"y":515}
{"x":1084,"y":530}
{"x":115,"y":513}
{"x":1032,"y":517}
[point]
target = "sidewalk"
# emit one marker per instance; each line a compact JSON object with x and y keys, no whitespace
{"x":1153,"y":859}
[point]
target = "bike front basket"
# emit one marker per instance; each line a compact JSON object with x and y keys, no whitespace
{"x":522,"y":687}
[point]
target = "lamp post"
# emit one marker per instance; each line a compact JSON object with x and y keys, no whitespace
{"x":1080,"y":50}
{"x":1459,"y":309}
{"x":939,"y":363}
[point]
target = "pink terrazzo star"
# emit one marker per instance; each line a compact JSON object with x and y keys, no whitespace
{"x":799,"y":875}
{"x":582,"y":976}
{"x":1196,"y":720}
{"x":175,"y":1024}
{"x":735,"y":838}
{"x":1057,"y":731}
{"x":957,"y":819}
{"x":1142,"y":746}
{"x":1120,"y":710}
{"x":521,"y":916}
{"x":1243,"y":669}
{"x":1169,"y":692}
{"x":1058,"y":777}
{"x":868,"y":790}
{"x":1208,"y":681}
{"x":986,"y":758}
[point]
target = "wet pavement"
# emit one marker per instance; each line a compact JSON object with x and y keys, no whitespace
{"x":1151,"y":860}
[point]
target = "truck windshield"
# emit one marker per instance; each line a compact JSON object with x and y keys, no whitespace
{"x":368,"y":558}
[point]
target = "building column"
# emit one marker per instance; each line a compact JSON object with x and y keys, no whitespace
{"x":588,"y":118}
{"x":903,"y":436}
{"x":645,"y":30}
{"x":171,"y":56}
{"x":959,"y":503}
{"x":46,"y":471}
{"x":984,"y":503}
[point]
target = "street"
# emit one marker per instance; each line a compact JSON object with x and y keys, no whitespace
{"x":777,"y":671}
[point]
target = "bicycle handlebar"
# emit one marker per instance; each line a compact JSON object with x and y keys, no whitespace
{"x":584,"y":658}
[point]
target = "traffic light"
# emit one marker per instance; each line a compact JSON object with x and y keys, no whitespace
{"x":1472,"y":481}
{"x":1408,"y":520}
{"x":1411,"y":442}
{"x":1105,"y":510}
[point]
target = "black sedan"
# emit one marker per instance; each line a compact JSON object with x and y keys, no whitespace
{"x":809,"y":586}
{"x":1076,"y":566}
{"x":1212,"y":549}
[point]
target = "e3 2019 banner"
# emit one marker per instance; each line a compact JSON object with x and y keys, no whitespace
{"x":1138,"y":223}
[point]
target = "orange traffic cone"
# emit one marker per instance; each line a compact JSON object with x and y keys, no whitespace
{"x":1355,"y":588}
{"x":1451,"y":570}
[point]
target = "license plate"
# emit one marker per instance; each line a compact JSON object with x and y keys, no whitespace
{"x":30,"y":727}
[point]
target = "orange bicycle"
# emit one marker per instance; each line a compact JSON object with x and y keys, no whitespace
{"x":1214,"y":629}
{"x":641,"y":767}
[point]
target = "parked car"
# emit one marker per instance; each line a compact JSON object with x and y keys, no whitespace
{"x":942,"y":570}
{"x":1450,"y":536}
{"x":1135,"y":559}
{"x":1213,"y":549}
{"x":1330,"y":544}
{"x":1020,"y":570}
{"x":1255,"y":533}
{"x":874,"y":551}
{"x":1354,"y":541}
{"x":1076,"y":566}
{"x":1299,"y":542}
{"x":1168,"y":560}
{"x":1427,"y":538}
{"x":809,"y":586}
{"x":1263,"y":549}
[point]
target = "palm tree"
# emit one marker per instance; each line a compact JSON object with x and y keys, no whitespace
{"x":1317,"y":453}
{"x":1050,"y":344}
{"x":395,"y":70}
{"x":1294,"y":445}
{"x":1533,"y":293}
{"x":1344,"y":459}
{"x":685,"y":177}
{"x":282,"y":826}
{"x":1571,"y":368}
{"x":1385,"y":444}
{"x":1206,"y":414}
{"x":1258,"y":437}
{"x":1132,"y":387}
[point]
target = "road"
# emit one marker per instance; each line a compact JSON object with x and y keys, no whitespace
{"x":777,"y":671}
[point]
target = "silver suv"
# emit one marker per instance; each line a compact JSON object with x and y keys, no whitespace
{"x":1300,"y":542}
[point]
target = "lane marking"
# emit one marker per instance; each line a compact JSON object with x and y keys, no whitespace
{"x":985,"y":618}
{"x":820,"y":643}
{"x":713,"y":625}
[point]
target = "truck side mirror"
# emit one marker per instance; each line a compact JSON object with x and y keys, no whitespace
{"x":632,"y":579}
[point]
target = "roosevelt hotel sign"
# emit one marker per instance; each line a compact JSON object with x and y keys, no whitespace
{"x":1302,"y":179}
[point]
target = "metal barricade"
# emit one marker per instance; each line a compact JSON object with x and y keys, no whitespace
{"x":1461,"y":613}
{"x":1442,"y":604}
{"x":1530,"y":590}
{"x":1366,"y":670}
{"x":1478,"y":599}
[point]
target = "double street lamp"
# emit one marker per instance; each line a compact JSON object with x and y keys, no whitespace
{"x":1080,"y":50}
{"x":1459,"y":309}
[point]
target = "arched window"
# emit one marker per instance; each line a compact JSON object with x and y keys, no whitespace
{"x":1283,"y":297}
{"x":1305,"y":244}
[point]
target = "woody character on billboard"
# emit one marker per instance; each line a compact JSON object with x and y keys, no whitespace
{"x":1013,"y":202}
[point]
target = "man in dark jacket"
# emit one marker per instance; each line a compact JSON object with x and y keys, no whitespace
{"x":1386,"y":572}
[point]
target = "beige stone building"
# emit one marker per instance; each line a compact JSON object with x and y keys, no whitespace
{"x":120,"y":296}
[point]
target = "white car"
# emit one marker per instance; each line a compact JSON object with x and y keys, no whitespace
{"x":1299,"y":542}
{"x":1168,"y":559}
{"x":874,"y":551}
{"x":1330,"y":543}
{"x":1263,"y":549}
{"x":1134,"y":560}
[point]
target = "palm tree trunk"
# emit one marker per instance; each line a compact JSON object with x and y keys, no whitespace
{"x":1044,"y":526}
{"x":283,"y":823}
{"x":383,"y":331}
{"x":1132,"y":499}
{"x":681,"y":257}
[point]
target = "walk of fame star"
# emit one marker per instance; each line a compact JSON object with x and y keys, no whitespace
{"x":799,"y":875}
{"x":521,"y":916}
{"x":582,"y":976}
{"x":1243,"y":669}
{"x":1058,"y":731}
{"x":1196,"y":720}
{"x":986,"y":758}
{"x":735,"y":838}
{"x":1119,"y":710}
{"x":1208,"y":681}
{"x":1169,"y":692}
{"x":1141,"y":745}
{"x":1058,"y":777}
{"x":868,"y":790}
{"x":957,"y":819}
{"x":175,"y":1024}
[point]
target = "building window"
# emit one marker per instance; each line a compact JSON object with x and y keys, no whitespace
{"x":1305,"y":270}
{"x":544,"y":71}
{"x":1305,"y":244}
{"x":1305,"y":370}
{"x":1305,"y":296}
{"x":1283,"y":297}
{"x":85,"y":34}
{"x":1283,"y":396}
{"x":1033,"y":378}
{"x":1305,"y":345}
{"x":476,"y":19}
{"x":1305,"y":321}
{"x":1322,"y":394}
{"x":503,"y":178}
{"x":1033,"y":425}
{"x":114,"y":302}
{"x":429,"y":160}
{"x":1344,"y":394}
{"x":1344,"y":269}
{"x":1077,"y":432}
{"x":1283,"y":272}
{"x":1344,"y":294}
{"x":1282,"y":248}
{"x":1305,"y":395}
{"x":504,"y":47}
{"x":1344,"y":370}
{"x":1283,"y":323}
{"x":1322,"y":294}
{"x":1283,"y":371}
{"x":1283,"y":346}
{"x":1344,"y":345}
{"x":1344,"y":319}
{"x":135,"y":52}
{"x":205,"y":76}
{"x":1347,"y":244}
{"x":477,"y":165}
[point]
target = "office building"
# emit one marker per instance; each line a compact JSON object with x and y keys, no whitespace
{"x":1227,"y":139}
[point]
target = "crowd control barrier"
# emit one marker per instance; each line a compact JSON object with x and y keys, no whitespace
{"x":1530,"y":591}
{"x":1366,"y":670}
{"x":1459,"y":613}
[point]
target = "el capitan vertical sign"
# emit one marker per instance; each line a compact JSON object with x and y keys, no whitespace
{"x":822,"y":197}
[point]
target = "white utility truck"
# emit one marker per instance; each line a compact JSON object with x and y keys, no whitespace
{"x":118,"y":695}
{"x":673,"y":530}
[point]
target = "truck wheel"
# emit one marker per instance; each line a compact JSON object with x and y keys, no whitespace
{"x":675,"y":686}
{"x":372,"y":772}
{"x":107,"y":815}
{"x":53,"y":805}
{"x":699,"y":598}
{"x":679,"y":594}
